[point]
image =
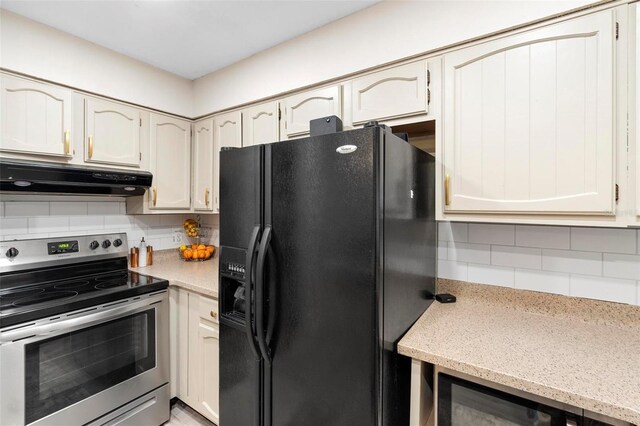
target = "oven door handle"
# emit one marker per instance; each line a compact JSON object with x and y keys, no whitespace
{"x":84,"y":319}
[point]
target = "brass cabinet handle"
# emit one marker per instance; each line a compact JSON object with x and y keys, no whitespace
{"x":67,"y":142}
{"x":90,"y":146}
{"x":206,"y":197}
{"x":155,"y":196}
{"x":447,"y":190}
{"x":214,"y":315}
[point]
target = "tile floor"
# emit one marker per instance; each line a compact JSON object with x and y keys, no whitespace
{"x":183,"y":415}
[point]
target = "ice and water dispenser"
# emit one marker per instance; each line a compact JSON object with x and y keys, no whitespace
{"x":232,"y":278}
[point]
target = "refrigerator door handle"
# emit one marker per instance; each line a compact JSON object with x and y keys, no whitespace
{"x":251,"y":251}
{"x":260,"y":331}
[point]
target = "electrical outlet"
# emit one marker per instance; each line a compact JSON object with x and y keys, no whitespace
{"x":205,"y":232}
{"x":177,"y":237}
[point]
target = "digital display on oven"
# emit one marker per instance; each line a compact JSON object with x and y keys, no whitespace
{"x":61,"y":247}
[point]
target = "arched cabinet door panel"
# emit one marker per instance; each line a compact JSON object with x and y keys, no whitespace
{"x":529,"y":121}
{"x":260,"y":124}
{"x":170,"y":163}
{"x":203,"y":165}
{"x":35,"y":118}
{"x":300,"y":109}
{"x":227,"y":133}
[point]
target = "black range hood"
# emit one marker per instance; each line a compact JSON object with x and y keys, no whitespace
{"x":31,"y":177}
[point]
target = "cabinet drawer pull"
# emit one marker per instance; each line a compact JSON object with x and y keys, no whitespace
{"x":206,"y":197}
{"x":447,"y":190}
{"x":214,"y":314}
{"x":155,"y":196}
{"x":90,"y":146}
{"x":67,"y":142}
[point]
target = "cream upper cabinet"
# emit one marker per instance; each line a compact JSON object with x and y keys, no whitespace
{"x":170,"y":163}
{"x":394,"y":92}
{"x":35,"y":118}
{"x":304,"y":107}
{"x":529,"y":121}
{"x":203,"y":165}
{"x":227,"y":133}
{"x":260,"y":124}
{"x":112,"y":133}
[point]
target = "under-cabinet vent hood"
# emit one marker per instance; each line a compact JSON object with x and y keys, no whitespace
{"x":38,"y":177}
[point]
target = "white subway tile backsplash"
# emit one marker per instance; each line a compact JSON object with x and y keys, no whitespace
{"x":472,"y":253}
{"x":119,"y":222}
{"x":452,"y":270}
{"x":556,"y":237}
{"x":489,"y":274}
{"x":48,"y":224}
{"x":452,"y":231}
{"x":548,"y":282}
{"x":611,"y":289}
{"x":442,"y":250}
{"x":67,"y":208}
{"x":621,"y":266}
{"x":575,"y":262}
{"x":86,"y":223}
{"x":517,"y":257}
{"x":103,"y":208}
{"x":491,"y":234}
{"x":14,"y":226}
{"x":26,"y":209}
{"x":604,"y":240}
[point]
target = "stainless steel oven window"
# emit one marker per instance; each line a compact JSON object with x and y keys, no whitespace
{"x":70,"y":367}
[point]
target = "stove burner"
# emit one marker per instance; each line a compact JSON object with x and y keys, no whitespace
{"x":115,"y":276}
{"x":56,"y":296}
{"x":70,"y":285}
{"x":18,"y":294}
{"x":111,"y":284}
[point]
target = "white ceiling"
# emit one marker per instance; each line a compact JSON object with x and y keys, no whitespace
{"x":186,"y":37}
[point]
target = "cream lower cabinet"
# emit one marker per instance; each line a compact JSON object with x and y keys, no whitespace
{"x":260,"y":124}
{"x":304,"y":107}
{"x":195,"y":349}
{"x":112,"y":133}
{"x":35,"y":118}
{"x":529,"y":121}
{"x":170,"y":163}
{"x":203,"y":165}
{"x":227,"y":133}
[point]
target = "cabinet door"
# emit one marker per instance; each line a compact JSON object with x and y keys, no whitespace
{"x":302,"y":108}
{"x":112,"y":133}
{"x":35,"y":118}
{"x":260,"y":124}
{"x":528,"y":121}
{"x":227,"y":133}
{"x":395,"y":92}
{"x":208,"y":373}
{"x":203,"y":165}
{"x":170,"y":163}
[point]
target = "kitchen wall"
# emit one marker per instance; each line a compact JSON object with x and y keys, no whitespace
{"x":45,"y":52}
{"x":387,"y":31}
{"x":41,"y":219}
{"x":596,"y":263}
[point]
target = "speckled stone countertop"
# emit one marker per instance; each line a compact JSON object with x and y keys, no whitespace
{"x":201,"y":277}
{"x":580,"y":352}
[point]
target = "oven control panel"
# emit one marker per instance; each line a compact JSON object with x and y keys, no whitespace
{"x":60,"y":247}
{"x":16,"y":255}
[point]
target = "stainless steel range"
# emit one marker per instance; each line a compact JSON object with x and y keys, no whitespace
{"x":82,"y":339}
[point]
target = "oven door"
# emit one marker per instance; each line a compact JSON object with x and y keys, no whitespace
{"x":80,"y":367}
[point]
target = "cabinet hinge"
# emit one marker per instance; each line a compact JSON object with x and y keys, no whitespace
{"x":617,"y":30}
{"x":140,"y":156}
{"x":428,"y":96}
{"x":428,"y":77}
{"x":141,"y":122}
{"x":279,"y":114}
{"x":617,"y":192}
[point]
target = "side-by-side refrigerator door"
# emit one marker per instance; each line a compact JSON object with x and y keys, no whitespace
{"x":240,"y":230}
{"x":319,"y":324}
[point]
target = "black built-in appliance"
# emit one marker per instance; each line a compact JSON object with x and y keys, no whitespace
{"x":328,"y":255}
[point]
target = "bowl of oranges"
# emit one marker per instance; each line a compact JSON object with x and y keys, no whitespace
{"x":196,"y":252}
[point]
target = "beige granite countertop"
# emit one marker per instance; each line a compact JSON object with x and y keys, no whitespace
{"x":201,"y":277}
{"x":576,"y":351}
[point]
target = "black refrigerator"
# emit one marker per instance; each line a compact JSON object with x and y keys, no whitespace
{"x":327,"y":257}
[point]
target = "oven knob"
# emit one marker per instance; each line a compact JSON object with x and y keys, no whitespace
{"x":94,"y":245}
{"x":106,"y":244}
{"x":12,"y":252}
{"x":117,"y":242}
